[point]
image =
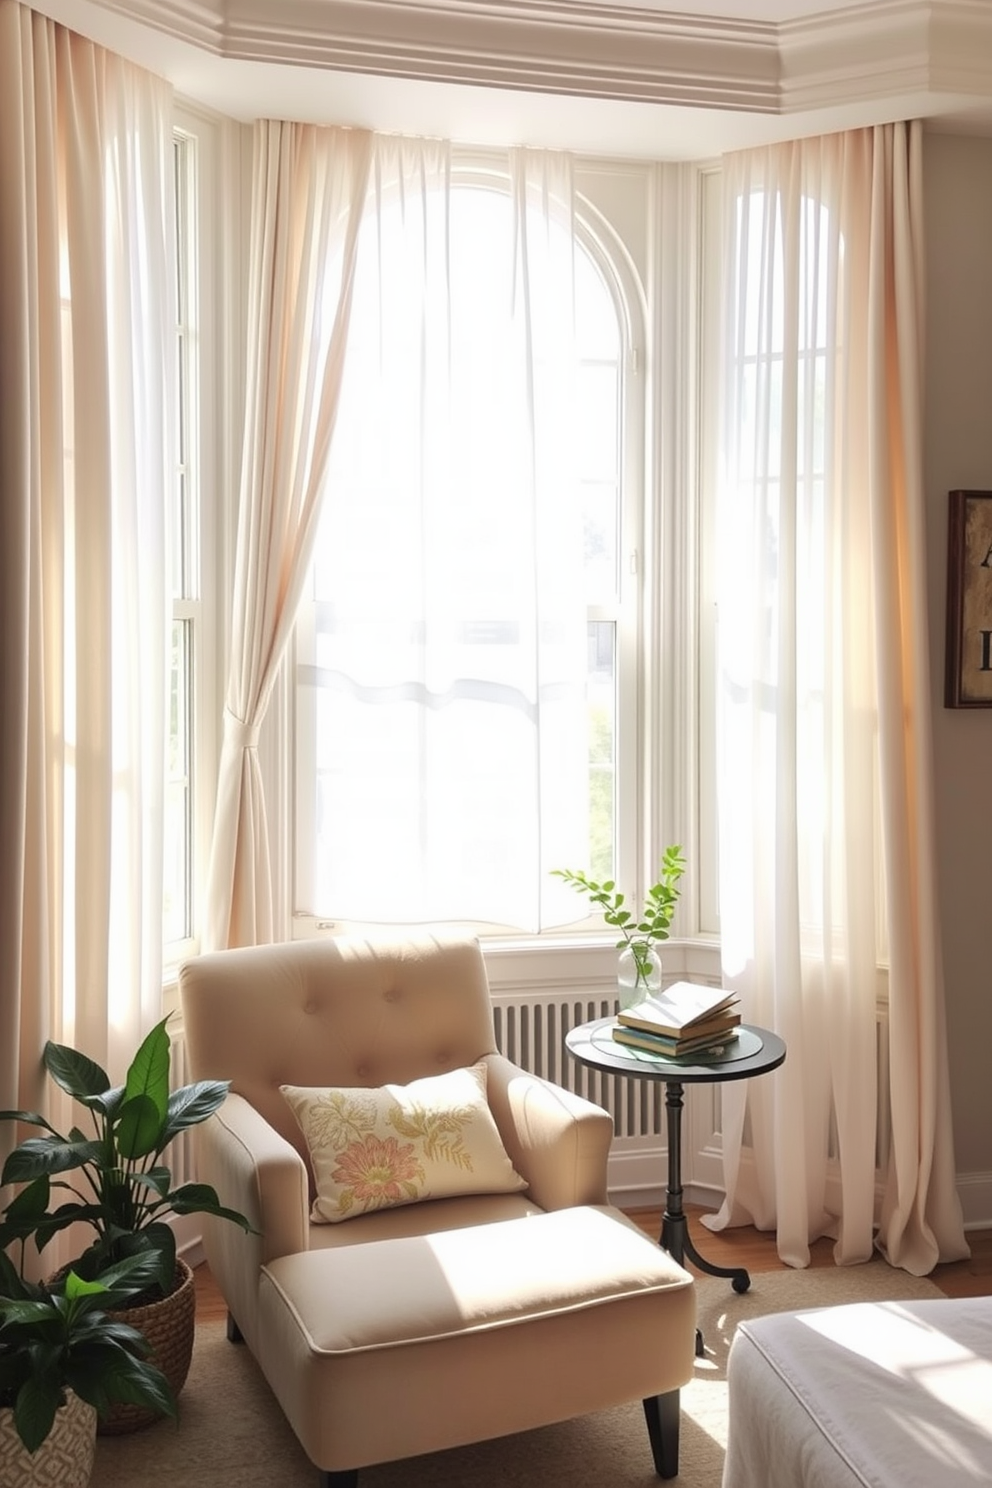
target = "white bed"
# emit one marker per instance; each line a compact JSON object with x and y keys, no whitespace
{"x":886,"y":1394}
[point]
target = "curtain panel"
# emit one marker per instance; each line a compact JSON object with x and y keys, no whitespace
{"x":442,"y":678}
{"x":307,"y":192}
{"x":339,"y":217}
{"x":826,"y":820}
{"x":87,"y":332}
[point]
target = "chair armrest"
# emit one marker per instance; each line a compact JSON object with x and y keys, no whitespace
{"x":558,"y":1141}
{"x":257,"y":1172}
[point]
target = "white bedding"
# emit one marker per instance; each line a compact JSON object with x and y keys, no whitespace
{"x":886,"y":1394}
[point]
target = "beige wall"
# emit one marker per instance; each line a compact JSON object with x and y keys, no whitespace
{"x":958,"y":454}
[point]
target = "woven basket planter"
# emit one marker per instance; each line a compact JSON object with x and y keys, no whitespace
{"x":65,"y":1457}
{"x":168,"y":1326}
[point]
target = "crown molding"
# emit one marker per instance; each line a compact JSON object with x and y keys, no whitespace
{"x":889,"y":48}
{"x":855,"y":54}
{"x":590,"y":50}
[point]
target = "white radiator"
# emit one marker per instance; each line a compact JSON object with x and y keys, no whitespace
{"x":531,"y":1031}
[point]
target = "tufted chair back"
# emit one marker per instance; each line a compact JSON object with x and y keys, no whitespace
{"x":348,"y":1011}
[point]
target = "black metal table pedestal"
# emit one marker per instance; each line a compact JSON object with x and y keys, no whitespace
{"x":675,"y":1237}
{"x":766,"y":1052}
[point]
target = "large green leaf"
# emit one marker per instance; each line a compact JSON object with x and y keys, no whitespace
{"x":194,"y":1103}
{"x":71,"y":1213}
{"x":104,"y":1374}
{"x":11,"y":1282}
{"x":149,"y":1071}
{"x":201,"y":1198}
{"x":17,"y":1311}
{"x":31,"y":1203}
{"x":133,"y":1382}
{"x":157,"y":1180}
{"x":75,"y":1287}
{"x":104,"y":1101}
{"x":163,"y":1239}
{"x":30,"y":1118}
{"x":130,"y":1274}
{"x":40,"y":1155}
{"x":157,"y":1242}
{"x":139,"y":1126}
{"x":74,"y":1072}
{"x":34,"y":1410}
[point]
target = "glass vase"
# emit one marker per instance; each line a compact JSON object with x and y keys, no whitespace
{"x":638,"y":973}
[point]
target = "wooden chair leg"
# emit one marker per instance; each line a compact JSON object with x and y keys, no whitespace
{"x":346,"y":1479}
{"x":662,"y":1415}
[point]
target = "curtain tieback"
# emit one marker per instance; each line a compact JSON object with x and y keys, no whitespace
{"x":237,"y":733}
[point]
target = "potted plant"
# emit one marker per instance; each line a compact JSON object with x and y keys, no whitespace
{"x":64,"y":1359}
{"x":119,"y":1185}
{"x":639,"y":972}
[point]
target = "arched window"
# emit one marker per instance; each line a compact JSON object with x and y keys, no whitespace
{"x":458,"y":661}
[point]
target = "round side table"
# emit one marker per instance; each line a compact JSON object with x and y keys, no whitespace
{"x":755,"y":1051}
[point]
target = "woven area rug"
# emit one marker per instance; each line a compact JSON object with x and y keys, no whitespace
{"x":232,"y":1434}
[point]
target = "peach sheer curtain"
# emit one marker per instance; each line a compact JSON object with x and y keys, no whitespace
{"x":87,"y":328}
{"x":826,"y":806}
{"x":308,"y":188}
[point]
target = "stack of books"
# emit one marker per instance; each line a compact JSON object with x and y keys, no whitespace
{"x":684,"y":1019}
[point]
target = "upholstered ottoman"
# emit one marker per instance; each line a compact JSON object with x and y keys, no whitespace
{"x":404,"y":1322}
{"x":888,"y":1394}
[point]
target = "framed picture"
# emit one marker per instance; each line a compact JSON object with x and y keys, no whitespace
{"x":968,"y":660}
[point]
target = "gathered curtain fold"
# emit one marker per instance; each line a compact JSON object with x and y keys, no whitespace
{"x":829,"y":923}
{"x":308,"y":187}
{"x":87,"y":462}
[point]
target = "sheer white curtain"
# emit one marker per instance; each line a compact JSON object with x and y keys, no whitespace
{"x":87,"y":334}
{"x":307,"y":191}
{"x":826,"y":815}
{"x":449,"y":674}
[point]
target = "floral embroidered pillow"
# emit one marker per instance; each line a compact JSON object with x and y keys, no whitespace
{"x":377,"y":1149}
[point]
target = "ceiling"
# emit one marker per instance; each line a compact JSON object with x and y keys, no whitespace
{"x":687,"y":81}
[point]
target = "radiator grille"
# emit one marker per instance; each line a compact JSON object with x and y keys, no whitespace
{"x":532,"y":1032}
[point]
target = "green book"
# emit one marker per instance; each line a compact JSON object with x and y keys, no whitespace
{"x":674,"y":1048}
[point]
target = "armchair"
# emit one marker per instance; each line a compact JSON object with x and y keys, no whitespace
{"x":472,"y":1280}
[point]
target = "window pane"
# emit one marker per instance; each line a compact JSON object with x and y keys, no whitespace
{"x":462,"y":696}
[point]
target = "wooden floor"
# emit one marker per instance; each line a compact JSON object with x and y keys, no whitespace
{"x":755,"y":1250}
{"x":746,"y":1247}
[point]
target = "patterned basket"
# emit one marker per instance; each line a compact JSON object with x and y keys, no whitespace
{"x":169,"y":1326}
{"x":65,"y":1457}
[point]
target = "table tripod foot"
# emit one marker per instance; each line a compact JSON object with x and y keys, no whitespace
{"x":739,"y":1279}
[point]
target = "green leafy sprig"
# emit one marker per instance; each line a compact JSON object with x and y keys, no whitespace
{"x":638,"y":931}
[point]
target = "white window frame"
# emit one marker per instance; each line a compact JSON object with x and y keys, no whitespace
{"x":201,"y":137}
{"x":606,"y":250}
{"x":711,"y":350}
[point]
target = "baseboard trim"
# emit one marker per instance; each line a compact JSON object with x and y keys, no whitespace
{"x":636,"y":1180}
{"x":975,"y":1193}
